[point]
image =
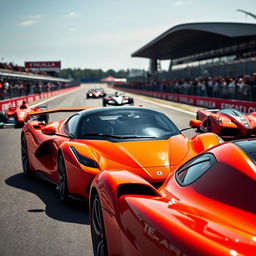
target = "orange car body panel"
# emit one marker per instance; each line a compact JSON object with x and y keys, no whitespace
{"x":151,"y":159}
{"x":216,"y":215}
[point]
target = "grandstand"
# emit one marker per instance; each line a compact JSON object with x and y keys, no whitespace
{"x":203,"y":50}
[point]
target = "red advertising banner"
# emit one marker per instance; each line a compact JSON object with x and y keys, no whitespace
{"x":203,"y":102}
{"x":43,"y":65}
{"x":16,"y":102}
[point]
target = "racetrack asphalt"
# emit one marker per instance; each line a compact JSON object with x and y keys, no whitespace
{"x":32,"y":219}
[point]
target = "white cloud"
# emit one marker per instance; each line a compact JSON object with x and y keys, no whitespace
{"x":74,"y":29}
{"x":36,"y":17}
{"x":30,"y":20}
{"x":27,"y":23}
{"x":73,"y":14}
{"x":178,"y":3}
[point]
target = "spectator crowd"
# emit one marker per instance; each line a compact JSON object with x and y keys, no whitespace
{"x":240,"y":88}
{"x":10,"y":88}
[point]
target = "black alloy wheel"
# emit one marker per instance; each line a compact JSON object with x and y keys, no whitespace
{"x":97,"y":228}
{"x":24,"y":156}
{"x":63,"y":185}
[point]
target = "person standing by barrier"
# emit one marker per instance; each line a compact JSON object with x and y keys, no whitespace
{"x":231,"y":88}
{"x":252,"y":83}
{"x":1,"y":90}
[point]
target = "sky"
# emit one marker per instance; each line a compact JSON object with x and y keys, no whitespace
{"x":101,"y":34}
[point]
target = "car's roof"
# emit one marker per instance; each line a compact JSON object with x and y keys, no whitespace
{"x":116,"y":108}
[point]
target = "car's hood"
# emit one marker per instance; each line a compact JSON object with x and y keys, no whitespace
{"x":147,"y":153}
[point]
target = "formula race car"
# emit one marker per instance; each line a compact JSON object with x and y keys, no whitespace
{"x":95,"y":93}
{"x":73,"y":151}
{"x":117,"y":99}
{"x":17,"y":116}
{"x":205,"y":207}
{"x":227,"y":122}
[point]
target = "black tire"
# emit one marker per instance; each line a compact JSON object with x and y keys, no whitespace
{"x":3,"y":118}
{"x":104,"y":103}
{"x":18,"y":124}
{"x":99,"y":242}
{"x":131,"y":102}
{"x":63,"y":184}
{"x":24,"y":157}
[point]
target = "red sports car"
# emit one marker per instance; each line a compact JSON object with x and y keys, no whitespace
{"x":227,"y":122}
{"x":73,"y":151}
{"x":206,"y":207}
{"x":17,"y":116}
{"x":95,"y":93}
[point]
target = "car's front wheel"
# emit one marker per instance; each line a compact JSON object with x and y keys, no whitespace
{"x":63,"y":184}
{"x":97,"y":228}
{"x":24,"y":156}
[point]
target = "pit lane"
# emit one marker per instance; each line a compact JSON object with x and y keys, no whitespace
{"x":32,"y":219}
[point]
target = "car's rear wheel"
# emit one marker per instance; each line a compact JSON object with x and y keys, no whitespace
{"x":97,"y":228}
{"x":18,"y":124}
{"x":63,"y":184}
{"x":3,"y":118}
{"x":24,"y":156}
{"x":104,"y":103}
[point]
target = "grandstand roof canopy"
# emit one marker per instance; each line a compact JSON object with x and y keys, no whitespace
{"x":22,"y":75}
{"x":195,"y":38}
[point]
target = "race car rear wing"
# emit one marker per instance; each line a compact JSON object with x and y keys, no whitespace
{"x":56,"y":110}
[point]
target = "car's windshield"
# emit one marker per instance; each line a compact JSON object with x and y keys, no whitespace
{"x":125,"y":124}
{"x":231,"y":111}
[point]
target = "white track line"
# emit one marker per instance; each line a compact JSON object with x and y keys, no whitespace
{"x":53,"y":98}
{"x":152,"y":102}
{"x":170,"y":107}
{"x":165,"y":106}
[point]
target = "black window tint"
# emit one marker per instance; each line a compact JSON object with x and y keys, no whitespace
{"x":194,"y":169}
{"x":127,"y":122}
{"x":72,"y":124}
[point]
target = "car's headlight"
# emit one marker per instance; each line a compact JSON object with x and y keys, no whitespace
{"x":83,"y":159}
{"x":220,"y":140}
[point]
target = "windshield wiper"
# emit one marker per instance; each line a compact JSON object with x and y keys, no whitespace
{"x":118,"y":137}
{"x":138,"y":137}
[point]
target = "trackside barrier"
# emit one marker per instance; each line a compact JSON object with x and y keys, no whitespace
{"x":205,"y":102}
{"x":15,"y":102}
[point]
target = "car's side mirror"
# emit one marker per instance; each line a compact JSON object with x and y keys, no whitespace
{"x":49,"y":130}
{"x":192,"y":124}
{"x":195,"y":123}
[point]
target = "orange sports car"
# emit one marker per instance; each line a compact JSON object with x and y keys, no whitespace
{"x":17,"y":116}
{"x":73,"y":151}
{"x":205,"y":207}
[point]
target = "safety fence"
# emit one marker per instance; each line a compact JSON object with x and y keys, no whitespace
{"x":204,"y":102}
{"x":15,"y":102}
